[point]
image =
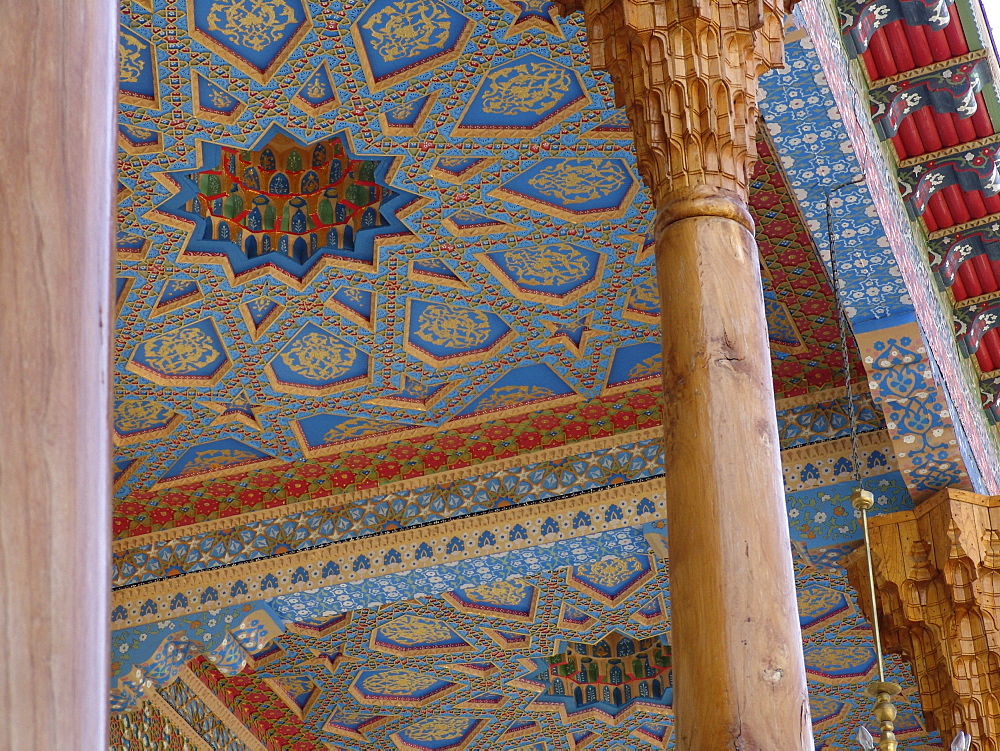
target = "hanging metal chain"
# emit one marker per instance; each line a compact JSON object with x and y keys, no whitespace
{"x":842,"y":323}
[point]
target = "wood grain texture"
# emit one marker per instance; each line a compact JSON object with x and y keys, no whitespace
{"x":739,"y":676}
{"x":56,"y":191}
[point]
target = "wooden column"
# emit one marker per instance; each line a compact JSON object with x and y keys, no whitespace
{"x":57,"y":58}
{"x":739,"y":678}
{"x":686,"y":72}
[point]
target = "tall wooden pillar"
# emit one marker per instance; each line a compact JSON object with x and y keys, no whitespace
{"x":686,"y":72}
{"x":57,"y":58}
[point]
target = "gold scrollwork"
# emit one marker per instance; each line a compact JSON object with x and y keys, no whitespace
{"x":579,"y":180}
{"x":220,"y":99}
{"x":647,"y":368}
{"x":318,"y":357}
{"x":831,"y":657}
{"x":448,"y":326}
{"x":406,"y":28}
{"x":254,"y":24}
{"x":645,"y":296}
{"x":557,"y":263}
{"x":530,"y":87}
{"x":316,"y":89}
{"x":296,"y":685}
{"x":130,"y":59}
{"x":131,"y":416}
{"x":505,"y":396}
{"x":181,"y":352}
{"x":816,"y":601}
{"x":610,"y":573}
{"x":217,"y":459}
{"x":399,"y":682}
{"x":823,"y":706}
{"x":411,"y":630}
{"x":438,"y":728}
{"x":355,"y":427}
{"x":498,"y":593}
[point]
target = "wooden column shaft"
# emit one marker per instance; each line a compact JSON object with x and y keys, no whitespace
{"x":56,"y":197}
{"x":738,"y":671}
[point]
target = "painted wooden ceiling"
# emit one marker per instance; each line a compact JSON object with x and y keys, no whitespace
{"x":377,"y":244}
{"x":331,"y":243}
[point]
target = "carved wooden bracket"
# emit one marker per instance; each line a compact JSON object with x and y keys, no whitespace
{"x":686,"y":72}
{"x":938,"y":584}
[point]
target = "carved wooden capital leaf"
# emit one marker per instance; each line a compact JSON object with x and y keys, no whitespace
{"x":686,"y":72}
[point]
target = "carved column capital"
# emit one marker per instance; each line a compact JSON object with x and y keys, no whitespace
{"x":686,"y":73}
{"x":937,"y":582}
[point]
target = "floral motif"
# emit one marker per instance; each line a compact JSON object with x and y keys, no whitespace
{"x":181,"y":352}
{"x":438,"y":728}
{"x":411,"y":630}
{"x":579,"y":180}
{"x":318,"y":357}
{"x":449,"y":326}
{"x":405,"y":28}
{"x":130,"y":60}
{"x":398,"y":682}
{"x":610,"y":573}
{"x":529,"y":87}
{"x":557,"y":263}
{"x":498,"y":593}
{"x":254,"y":24}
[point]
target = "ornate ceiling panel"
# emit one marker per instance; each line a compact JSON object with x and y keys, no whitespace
{"x":349,"y":257}
{"x":567,"y":659}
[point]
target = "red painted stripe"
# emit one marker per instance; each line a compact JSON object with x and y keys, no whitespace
{"x":956,"y":35}
{"x":984,"y":272}
{"x":969,"y":281}
{"x":911,"y":138}
{"x":895,"y":36}
{"x":870,"y":65}
{"x":900,"y":145}
{"x":881,"y":55}
{"x":938,"y":206}
{"x":965,"y":128}
{"x":924,"y":120}
{"x":984,"y":126}
{"x":958,"y":288}
{"x":937,"y":42}
{"x":919,"y":46}
{"x":988,"y":353}
{"x":992,"y":204}
{"x":957,"y":204}
{"x":945,"y":124}
{"x":977,"y":205}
